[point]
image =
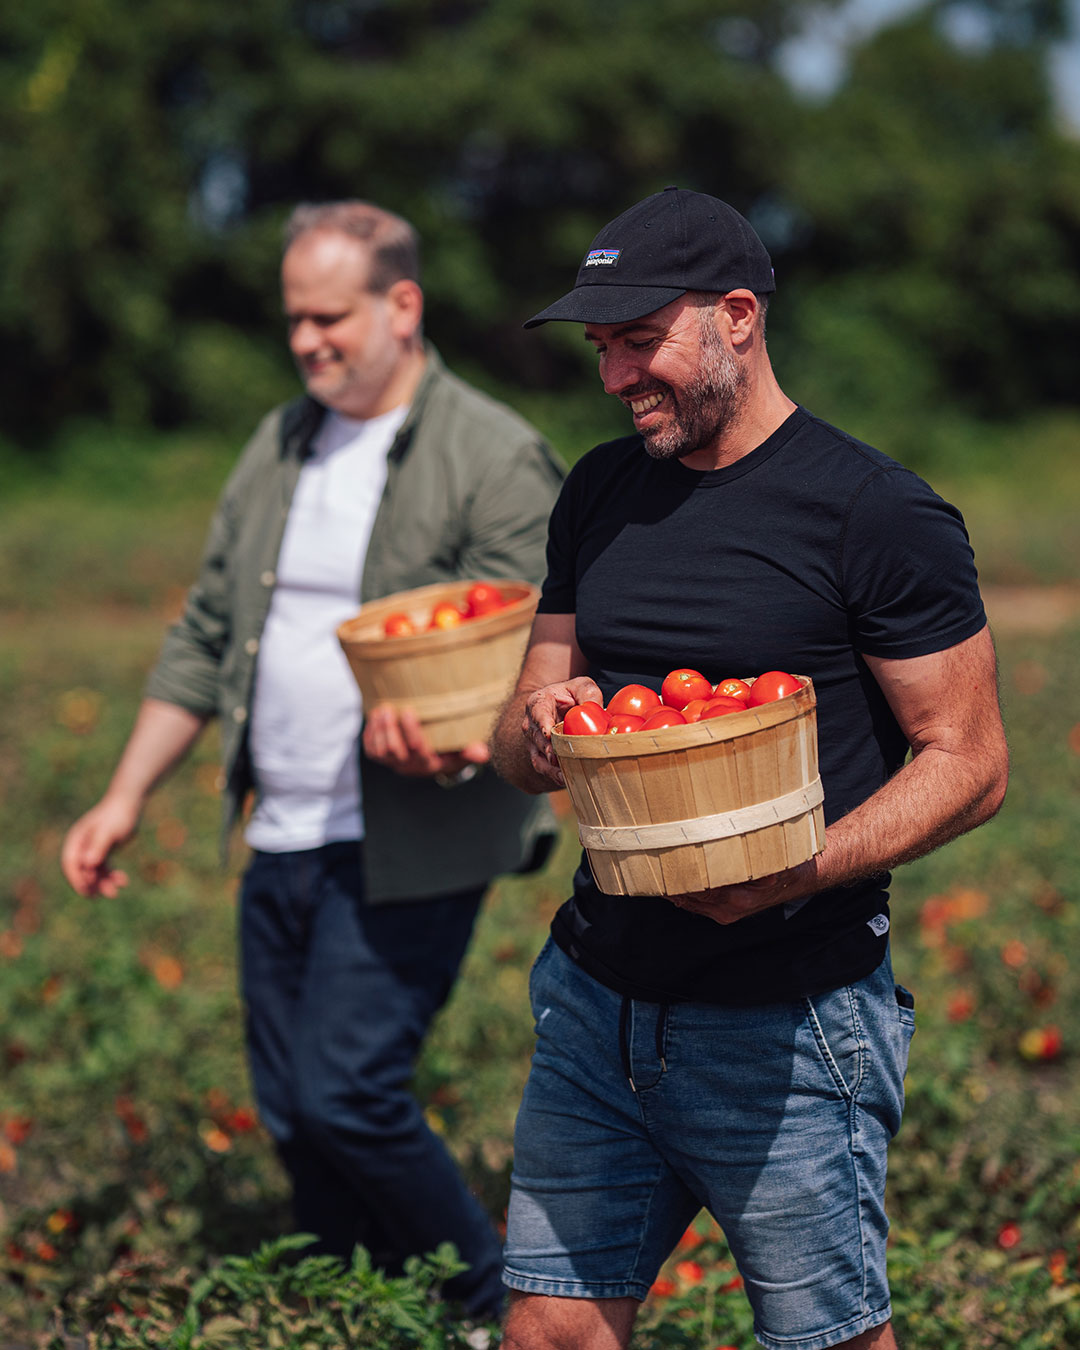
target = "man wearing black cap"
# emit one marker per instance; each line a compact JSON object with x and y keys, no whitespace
{"x":741,"y":1049}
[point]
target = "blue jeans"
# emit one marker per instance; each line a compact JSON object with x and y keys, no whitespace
{"x":339,"y":996}
{"x":776,"y":1119}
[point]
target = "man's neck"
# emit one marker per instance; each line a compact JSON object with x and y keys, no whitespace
{"x":398,"y":391}
{"x":766,"y":409}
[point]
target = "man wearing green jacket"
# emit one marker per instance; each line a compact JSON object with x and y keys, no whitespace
{"x":371,"y":852}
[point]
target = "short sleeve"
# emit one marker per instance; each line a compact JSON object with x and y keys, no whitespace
{"x":908,"y":570}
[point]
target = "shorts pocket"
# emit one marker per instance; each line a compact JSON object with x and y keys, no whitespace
{"x":835,"y":1023}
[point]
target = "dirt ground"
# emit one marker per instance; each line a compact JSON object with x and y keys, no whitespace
{"x":1031,"y":609}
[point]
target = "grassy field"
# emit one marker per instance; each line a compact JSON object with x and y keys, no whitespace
{"x":136,"y":1186}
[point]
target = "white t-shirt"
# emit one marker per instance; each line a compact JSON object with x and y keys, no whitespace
{"x":306,"y":713}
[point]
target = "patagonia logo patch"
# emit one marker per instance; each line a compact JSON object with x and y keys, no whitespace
{"x":602,"y":257}
{"x":878,"y":925}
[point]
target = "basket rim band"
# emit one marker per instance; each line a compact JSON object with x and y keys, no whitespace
{"x":702,"y":829}
{"x":438,"y":707}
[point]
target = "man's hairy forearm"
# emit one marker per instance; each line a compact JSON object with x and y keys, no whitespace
{"x":510,"y":753}
{"x":933,"y":799}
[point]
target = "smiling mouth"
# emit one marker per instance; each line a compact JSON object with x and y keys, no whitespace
{"x":638,"y":406}
{"x":314,"y":364}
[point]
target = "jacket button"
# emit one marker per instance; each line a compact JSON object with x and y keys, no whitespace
{"x":251,"y":646}
{"x":239,"y":714}
{"x":268,"y":578}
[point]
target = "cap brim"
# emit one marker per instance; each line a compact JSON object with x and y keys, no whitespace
{"x":607,"y":304}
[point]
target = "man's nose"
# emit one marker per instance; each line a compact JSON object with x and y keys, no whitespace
{"x":618,"y":372}
{"x":305,"y":338}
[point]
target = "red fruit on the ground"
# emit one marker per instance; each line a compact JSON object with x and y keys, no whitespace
{"x":1008,"y":1236}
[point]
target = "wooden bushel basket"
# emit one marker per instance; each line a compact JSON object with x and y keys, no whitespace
{"x":712,"y":803}
{"x":454,"y":679}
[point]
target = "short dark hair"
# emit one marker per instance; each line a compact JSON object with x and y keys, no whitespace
{"x":393,"y":243}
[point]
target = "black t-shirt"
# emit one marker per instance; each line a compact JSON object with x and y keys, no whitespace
{"x":808,"y":551}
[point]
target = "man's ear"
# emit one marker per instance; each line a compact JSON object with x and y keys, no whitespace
{"x":741,"y":308}
{"x":406,"y":301}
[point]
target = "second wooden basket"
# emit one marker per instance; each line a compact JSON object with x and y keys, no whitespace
{"x":454,"y":679}
{"x":708,"y":804}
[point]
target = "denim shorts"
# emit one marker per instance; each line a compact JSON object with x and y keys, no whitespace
{"x":775,"y":1119}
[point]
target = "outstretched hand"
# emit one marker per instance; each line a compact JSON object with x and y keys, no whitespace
{"x":84,"y":856}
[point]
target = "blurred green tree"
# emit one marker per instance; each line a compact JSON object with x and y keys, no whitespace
{"x":939,"y":261}
{"x":924,"y":220}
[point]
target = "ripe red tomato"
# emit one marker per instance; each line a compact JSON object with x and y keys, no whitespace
{"x":446,"y":615}
{"x":622,"y":722}
{"x":483,"y":598}
{"x":692,"y":711}
{"x":717,"y":707}
{"x":634,"y":698}
{"x":398,"y":625}
{"x":680,"y":686}
{"x":772,"y":685}
{"x":663,"y":717}
{"x":585,"y":719}
{"x":733,"y":688}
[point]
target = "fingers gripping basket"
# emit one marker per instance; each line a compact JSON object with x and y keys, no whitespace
{"x":454,"y":679}
{"x":708,"y":804}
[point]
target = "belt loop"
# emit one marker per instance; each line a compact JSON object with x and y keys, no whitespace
{"x":661,"y":1026}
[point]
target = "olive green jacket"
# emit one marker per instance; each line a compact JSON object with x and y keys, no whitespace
{"x":469,"y":489}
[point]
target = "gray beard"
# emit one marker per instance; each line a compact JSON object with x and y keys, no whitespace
{"x":705,"y":408}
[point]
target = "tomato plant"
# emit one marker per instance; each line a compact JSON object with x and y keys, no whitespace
{"x":398,"y":625}
{"x":634,"y":698}
{"x":623,"y":722}
{"x":772,"y":685}
{"x":663,"y":717}
{"x":733,"y":688}
{"x":483,"y":598}
{"x":681,"y":686}
{"x":585,"y":719}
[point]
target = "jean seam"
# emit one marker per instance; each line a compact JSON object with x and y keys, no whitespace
{"x":850,"y":1094}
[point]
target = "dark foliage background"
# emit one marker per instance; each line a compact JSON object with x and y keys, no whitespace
{"x":924,"y":218}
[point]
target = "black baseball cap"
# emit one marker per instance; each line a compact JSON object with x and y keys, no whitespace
{"x":672,"y":242}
